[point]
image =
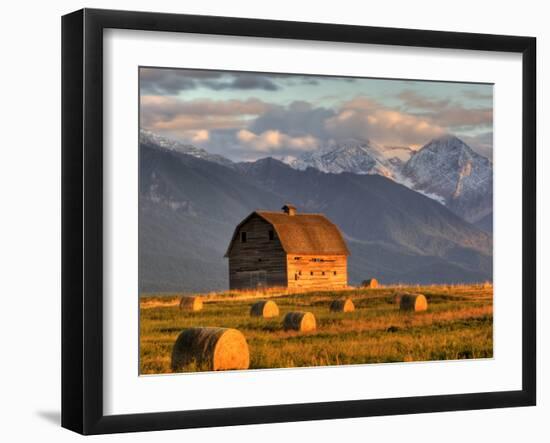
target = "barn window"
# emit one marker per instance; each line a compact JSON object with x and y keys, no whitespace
{"x":271,"y":235}
{"x":243,"y":237}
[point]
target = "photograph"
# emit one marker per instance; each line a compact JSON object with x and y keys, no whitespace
{"x":295,"y":220}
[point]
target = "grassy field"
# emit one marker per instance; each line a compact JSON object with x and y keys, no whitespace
{"x":457,"y":325}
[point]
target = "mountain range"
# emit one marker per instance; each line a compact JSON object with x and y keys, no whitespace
{"x":345,"y":156}
{"x":446,"y":169}
{"x":190,"y":202}
{"x":150,"y":138}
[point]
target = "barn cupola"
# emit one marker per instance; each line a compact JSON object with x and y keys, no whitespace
{"x":289,"y":209}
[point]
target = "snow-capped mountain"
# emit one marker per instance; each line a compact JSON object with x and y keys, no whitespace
{"x":148,"y":137}
{"x":398,"y":155}
{"x":447,"y":167}
{"x":358,"y":157}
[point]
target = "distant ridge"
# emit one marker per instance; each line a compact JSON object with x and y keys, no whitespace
{"x":359,"y":157}
{"x":446,"y":169}
{"x":148,"y":137}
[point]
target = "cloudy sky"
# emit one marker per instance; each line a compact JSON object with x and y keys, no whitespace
{"x":246,"y":116}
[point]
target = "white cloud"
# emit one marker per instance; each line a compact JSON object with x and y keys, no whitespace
{"x":273,"y":141}
{"x":363,"y":118}
{"x":198,"y":136}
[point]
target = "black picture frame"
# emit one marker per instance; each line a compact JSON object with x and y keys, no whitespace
{"x":82,"y":220}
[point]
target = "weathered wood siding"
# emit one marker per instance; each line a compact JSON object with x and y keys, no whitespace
{"x":258,"y":262}
{"x":317,"y":271}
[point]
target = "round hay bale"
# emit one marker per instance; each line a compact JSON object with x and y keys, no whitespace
{"x":214,"y":349}
{"x":413,"y":302}
{"x":264,"y":308}
{"x":397,"y":299}
{"x":188,"y":303}
{"x":300,"y":321}
{"x":370,"y":283}
{"x":344,"y":305}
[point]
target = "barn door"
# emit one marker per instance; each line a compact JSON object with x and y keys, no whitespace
{"x":258,"y":279}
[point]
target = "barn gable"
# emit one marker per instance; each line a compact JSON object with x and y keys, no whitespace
{"x":235,"y":236}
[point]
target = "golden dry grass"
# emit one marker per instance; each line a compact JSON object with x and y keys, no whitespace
{"x":458,"y":324}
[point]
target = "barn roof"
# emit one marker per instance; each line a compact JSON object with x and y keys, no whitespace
{"x":302,"y":233}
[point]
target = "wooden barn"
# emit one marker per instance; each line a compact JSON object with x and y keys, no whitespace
{"x":287,"y":249}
